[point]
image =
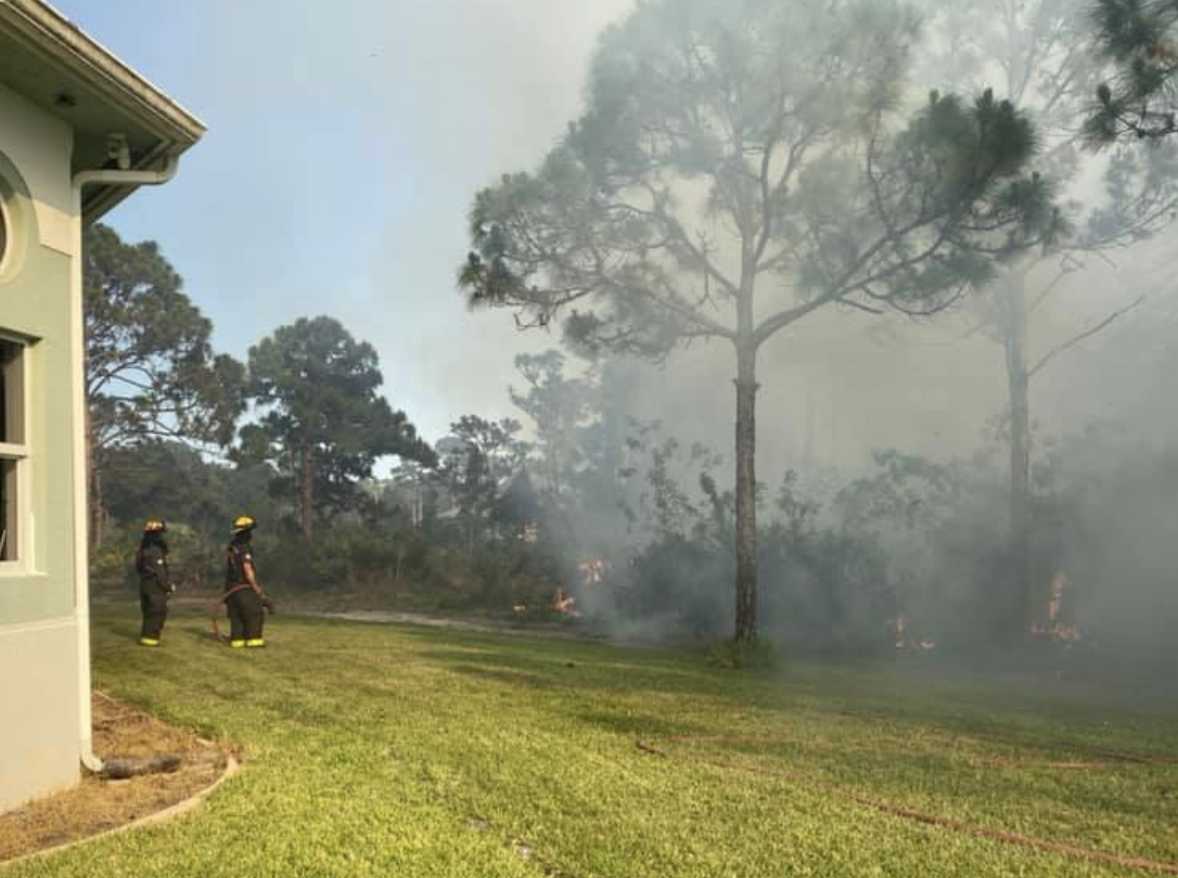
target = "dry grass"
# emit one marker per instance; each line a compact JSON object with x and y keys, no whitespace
{"x":98,"y":805}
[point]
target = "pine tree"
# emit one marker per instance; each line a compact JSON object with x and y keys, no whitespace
{"x":741,"y":166}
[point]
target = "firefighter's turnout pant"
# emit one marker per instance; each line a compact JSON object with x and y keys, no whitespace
{"x":246,"y":615}
{"x":154,"y":603}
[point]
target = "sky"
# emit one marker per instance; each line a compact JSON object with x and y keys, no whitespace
{"x":346,"y":142}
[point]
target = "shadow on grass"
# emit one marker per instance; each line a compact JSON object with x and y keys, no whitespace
{"x":637,"y":726}
{"x":204,"y":636}
{"x":125,"y":632}
{"x":512,"y":678}
{"x":590,"y":669}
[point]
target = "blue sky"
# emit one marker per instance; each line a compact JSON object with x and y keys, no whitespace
{"x":345,"y":143}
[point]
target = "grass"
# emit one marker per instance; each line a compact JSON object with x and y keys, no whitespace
{"x":377,"y":750}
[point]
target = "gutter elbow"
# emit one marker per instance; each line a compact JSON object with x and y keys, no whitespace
{"x":89,"y":761}
{"x":113,"y":177}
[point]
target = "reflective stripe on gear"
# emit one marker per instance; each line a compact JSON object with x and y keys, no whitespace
{"x":237,"y":644}
{"x":148,"y":641}
{"x":257,"y":642}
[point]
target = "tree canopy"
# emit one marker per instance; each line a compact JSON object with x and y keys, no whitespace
{"x":557,"y":406}
{"x":323,"y":424}
{"x":150,"y":369}
{"x":479,"y":460}
{"x":754,"y":139}
{"x":1141,"y":38}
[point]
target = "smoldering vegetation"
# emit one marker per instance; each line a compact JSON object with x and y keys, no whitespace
{"x":883,"y":551}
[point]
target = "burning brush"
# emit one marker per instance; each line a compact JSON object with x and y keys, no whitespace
{"x":904,"y":641}
{"x":565,"y":604}
{"x":593,"y":570}
{"x":1057,"y":627}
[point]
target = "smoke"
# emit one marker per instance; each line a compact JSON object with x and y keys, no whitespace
{"x":840,"y":387}
{"x":881,"y":542}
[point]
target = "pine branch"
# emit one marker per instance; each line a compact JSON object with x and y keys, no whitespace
{"x":1083,"y":336}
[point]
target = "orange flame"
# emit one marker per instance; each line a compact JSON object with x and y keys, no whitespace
{"x":593,"y":570}
{"x":565,"y":604}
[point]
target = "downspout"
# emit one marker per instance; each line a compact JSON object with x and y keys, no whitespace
{"x":78,"y":400}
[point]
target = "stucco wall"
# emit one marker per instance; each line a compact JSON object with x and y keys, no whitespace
{"x":38,"y":662}
{"x":41,"y":146}
{"x":39,"y":713}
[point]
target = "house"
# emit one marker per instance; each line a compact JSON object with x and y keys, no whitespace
{"x":79,"y":132}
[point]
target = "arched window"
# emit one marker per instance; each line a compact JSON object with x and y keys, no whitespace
{"x":3,"y":231}
{"x":16,"y":221}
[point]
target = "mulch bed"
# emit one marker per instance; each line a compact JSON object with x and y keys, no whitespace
{"x":97,"y":804}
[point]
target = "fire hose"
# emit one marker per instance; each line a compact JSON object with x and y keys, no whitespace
{"x":223,"y":599}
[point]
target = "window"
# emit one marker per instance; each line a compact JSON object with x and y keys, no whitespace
{"x":13,"y":451}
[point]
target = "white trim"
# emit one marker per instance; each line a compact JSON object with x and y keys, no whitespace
{"x":81,"y":549}
{"x":13,"y":570}
{"x":10,"y":231}
{"x":20,"y":454}
{"x":23,"y":564}
{"x":27,"y":477}
{"x":37,"y":627}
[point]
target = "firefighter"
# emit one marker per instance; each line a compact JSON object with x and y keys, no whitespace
{"x":243,"y":596}
{"x":155,"y":583}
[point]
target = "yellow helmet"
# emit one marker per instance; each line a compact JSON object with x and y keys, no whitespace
{"x":243,"y":523}
{"x":154,"y":526}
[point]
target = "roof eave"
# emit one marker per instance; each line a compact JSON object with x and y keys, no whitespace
{"x":61,"y":39}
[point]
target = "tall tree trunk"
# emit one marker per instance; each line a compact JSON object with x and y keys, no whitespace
{"x":1021,"y":596}
{"x":306,"y":491}
{"x":746,"y":493}
{"x":96,"y":499}
{"x":97,"y":508}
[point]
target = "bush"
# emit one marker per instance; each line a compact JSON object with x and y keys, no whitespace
{"x":679,"y":588}
{"x":112,"y":565}
{"x":824,"y":588}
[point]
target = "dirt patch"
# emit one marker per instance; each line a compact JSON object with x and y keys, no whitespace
{"x":98,"y":805}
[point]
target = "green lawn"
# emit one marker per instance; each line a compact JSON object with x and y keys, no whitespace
{"x":390,"y":751}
